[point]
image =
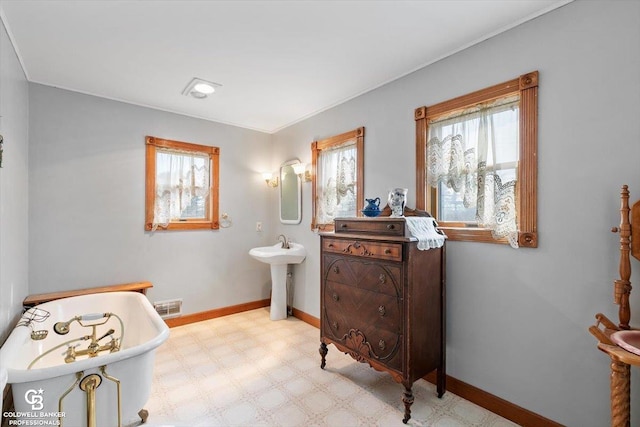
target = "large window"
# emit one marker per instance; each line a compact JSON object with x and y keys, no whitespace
{"x":338,"y":175}
{"x":181,"y":185}
{"x":476,"y":163}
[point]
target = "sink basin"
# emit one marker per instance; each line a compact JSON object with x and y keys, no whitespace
{"x":279,"y":259}
{"x":629,"y":340}
{"x":276,"y":254}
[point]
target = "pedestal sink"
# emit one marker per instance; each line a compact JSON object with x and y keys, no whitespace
{"x":279,"y":258}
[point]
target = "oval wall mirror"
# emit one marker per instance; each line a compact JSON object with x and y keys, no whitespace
{"x":290,"y":194}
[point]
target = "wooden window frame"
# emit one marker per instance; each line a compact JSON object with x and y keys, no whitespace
{"x":526,"y":186}
{"x":316,"y":148}
{"x":212,"y":219}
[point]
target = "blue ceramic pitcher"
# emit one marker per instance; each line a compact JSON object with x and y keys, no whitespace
{"x":372,"y":208}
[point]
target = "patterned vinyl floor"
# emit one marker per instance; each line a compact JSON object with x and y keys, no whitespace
{"x":246,"y":370}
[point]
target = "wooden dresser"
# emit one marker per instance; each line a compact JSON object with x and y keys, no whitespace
{"x":383,"y":299}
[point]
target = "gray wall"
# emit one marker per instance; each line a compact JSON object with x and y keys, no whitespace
{"x":517,"y":319}
{"x":86,"y":213}
{"x":14,"y":126}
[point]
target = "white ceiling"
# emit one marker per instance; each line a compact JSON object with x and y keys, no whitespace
{"x":278,"y":61}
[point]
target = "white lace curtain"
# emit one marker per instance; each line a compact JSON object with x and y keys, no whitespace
{"x":182,"y":186}
{"x":475,"y":154}
{"x":336,"y":169}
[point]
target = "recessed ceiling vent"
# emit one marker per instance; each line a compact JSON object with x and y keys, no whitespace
{"x":199,"y":88}
{"x":169,"y":308}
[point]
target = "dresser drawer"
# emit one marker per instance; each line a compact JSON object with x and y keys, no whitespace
{"x":384,"y":278}
{"x":363,"y":309}
{"x":363,"y":248}
{"x":385,"y":227}
{"x":365,"y":322}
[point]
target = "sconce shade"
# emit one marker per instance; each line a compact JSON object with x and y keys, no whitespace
{"x":301,"y":170}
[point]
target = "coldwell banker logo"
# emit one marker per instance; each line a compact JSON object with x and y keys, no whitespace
{"x":35,"y":398}
{"x":35,"y":417}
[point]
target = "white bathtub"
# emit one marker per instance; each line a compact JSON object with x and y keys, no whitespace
{"x":37,"y":389}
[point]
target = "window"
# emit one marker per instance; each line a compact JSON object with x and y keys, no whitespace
{"x":338,"y":175}
{"x":476,"y":163}
{"x":181,"y":185}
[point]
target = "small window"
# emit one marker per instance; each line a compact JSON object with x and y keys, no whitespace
{"x":338,"y":175}
{"x":476,"y":163}
{"x":181,"y":185}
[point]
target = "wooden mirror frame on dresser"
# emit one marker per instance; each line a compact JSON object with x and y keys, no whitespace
{"x":382,"y":300}
{"x":621,"y":359}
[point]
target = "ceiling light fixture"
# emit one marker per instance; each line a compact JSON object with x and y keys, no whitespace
{"x":199,"y":88}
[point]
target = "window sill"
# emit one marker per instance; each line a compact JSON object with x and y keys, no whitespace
{"x":483,"y":235}
{"x":187,"y":225}
{"x":471,"y":234}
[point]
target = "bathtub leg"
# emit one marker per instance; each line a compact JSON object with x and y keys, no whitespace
{"x":144,"y":414}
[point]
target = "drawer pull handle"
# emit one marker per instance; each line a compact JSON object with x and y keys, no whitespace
{"x":336,"y":270}
{"x":382,"y":345}
{"x":335,"y":325}
{"x":330,"y":245}
{"x":336,"y":297}
{"x":387,"y":251}
{"x":391,"y":226}
{"x":344,"y":226}
{"x":382,"y":278}
{"x":382,"y":311}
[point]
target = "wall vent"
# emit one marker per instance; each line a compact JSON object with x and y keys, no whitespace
{"x":169,"y":308}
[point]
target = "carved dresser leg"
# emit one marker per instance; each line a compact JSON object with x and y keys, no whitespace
{"x":323,"y":353}
{"x":407,"y":399}
{"x":441,"y":380}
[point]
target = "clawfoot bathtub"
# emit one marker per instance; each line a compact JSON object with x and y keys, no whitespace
{"x":84,"y":361}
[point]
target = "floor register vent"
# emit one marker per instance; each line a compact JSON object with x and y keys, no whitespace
{"x":169,"y":308}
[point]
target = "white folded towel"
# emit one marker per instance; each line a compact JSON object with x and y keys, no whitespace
{"x":425,"y":230}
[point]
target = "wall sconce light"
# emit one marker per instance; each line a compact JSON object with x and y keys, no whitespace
{"x":270,"y":179}
{"x":301,"y":170}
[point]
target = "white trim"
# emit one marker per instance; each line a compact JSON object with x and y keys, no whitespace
{"x":3,"y":18}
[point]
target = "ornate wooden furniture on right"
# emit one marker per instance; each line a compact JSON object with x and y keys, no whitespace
{"x":621,"y":359}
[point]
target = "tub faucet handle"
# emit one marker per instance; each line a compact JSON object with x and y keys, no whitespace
{"x":109,"y":332}
{"x":70,"y":354}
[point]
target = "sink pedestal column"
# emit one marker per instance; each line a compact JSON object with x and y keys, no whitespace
{"x":278,"y":291}
{"x":279,"y":259}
